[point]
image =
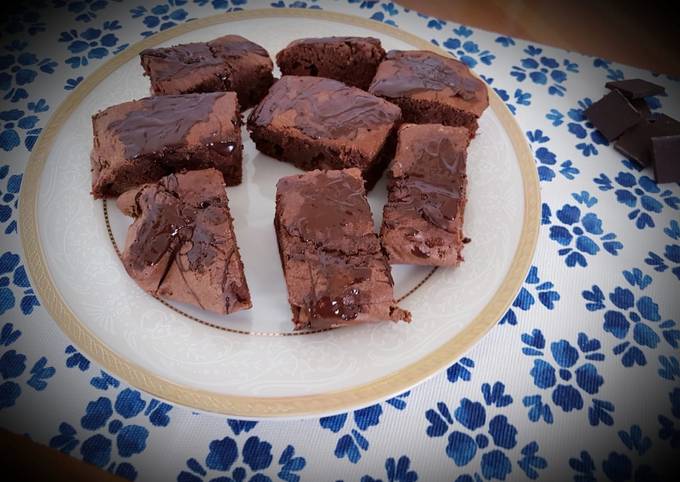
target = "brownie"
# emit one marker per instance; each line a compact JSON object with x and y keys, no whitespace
{"x":229,"y":63}
{"x":423,"y":217}
{"x":430,"y":88}
{"x":317,"y":123}
{"x":352,"y":60}
{"x":335,"y":270}
{"x":181,"y":245}
{"x":143,"y":140}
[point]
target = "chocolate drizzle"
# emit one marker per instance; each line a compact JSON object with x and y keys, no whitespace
{"x":433,"y":185}
{"x":328,"y":207}
{"x":179,"y":60}
{"x":157,"y":125}
{"x":325,"y":225}
{"x":420,"y":71}
{"x":323,"y":108}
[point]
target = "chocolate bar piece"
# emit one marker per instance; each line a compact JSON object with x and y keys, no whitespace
{"x":612,"y":115}
{"x":666,"y":151}
{"x":641,"y":106}
{"x":636,"y":142}
{"x":334,"y":267}
{"x":636,"y":88}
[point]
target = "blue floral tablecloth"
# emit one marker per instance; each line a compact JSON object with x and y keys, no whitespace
{"x":580,"y":379}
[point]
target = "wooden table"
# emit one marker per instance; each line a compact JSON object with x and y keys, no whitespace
{"x":635,"y":33}
{"x":643,"y":34}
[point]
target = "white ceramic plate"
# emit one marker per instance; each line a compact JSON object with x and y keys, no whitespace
{"x":251,"y":364}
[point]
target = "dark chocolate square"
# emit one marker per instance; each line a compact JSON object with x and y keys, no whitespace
{"x":636,"y":88}
{"x":636,"y":142}
{"x":666,"y":152}
{"x":612,"y":115}
{"x":641,"y":106}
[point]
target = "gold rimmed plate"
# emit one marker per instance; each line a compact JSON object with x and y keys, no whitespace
{"x":247,"y":364}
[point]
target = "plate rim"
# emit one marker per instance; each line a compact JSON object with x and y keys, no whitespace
{"x":280,"y":406}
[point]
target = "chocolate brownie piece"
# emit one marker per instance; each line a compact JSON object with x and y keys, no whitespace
{"x":229,"y":63}
{"x":317,"y":123}
{"x":143,"y":140}
{"x":430,"y":88}
{"x":423,"y":217}
{"x":335,"y":270}
{"x":181,"y":245}
{"x":352,"y":60}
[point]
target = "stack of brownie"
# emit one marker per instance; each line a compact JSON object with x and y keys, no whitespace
{"x":343,"y":110}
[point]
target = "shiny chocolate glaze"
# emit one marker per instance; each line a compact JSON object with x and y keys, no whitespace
{"x":433,"y":184}
{"x":323,"y":108}
{"x":162,"y":121}
{"x":408,"y":72}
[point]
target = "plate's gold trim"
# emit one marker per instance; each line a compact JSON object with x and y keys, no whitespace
{"x":259,"y":407}
{"x":210,"y":324}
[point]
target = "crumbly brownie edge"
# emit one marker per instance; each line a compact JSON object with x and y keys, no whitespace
{"x":420,"y":111}
{"x":309,"y":156}
{"x":322,"y":60}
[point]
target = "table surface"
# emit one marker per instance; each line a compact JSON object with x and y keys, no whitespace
{"x":556,"y":388}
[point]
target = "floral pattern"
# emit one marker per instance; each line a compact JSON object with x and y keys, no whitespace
{"x":588,"y":308}
{"x":568,"y":375}
{"x":91,"y":44}
{"x":588,"y":138}
{"x":9,"y":199}
{"x":161,"y":16}
{"x":13,"y":369}
{"x":671,"y":255}
{"x":11,"y":271}
{"x":547,"y":160}
{"x":526,"y":299}
{"x":470,"y":436}
{"x":464,"y":49}
{"x":640,"y":193}
{"x":18,"y":124}
{"x":579,"y":233}
{"x":633,"y":320}
{"x":18,"y":68}
{"x":617,"y":466}
{"x":544,"y":70}
{"x":111,"y":430}
{"x":396,"y":471}
{"x":353,"y":443}
{"x":238,"y":461}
